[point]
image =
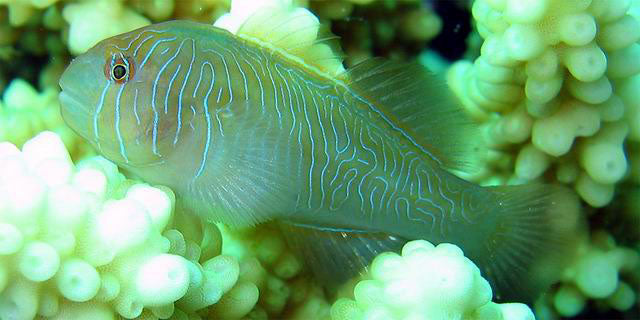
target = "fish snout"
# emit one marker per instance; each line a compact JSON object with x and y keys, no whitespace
{"x":82,"y":84}
{"x":83,"y":74}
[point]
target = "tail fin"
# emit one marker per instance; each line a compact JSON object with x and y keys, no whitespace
{"x":538,"y":228}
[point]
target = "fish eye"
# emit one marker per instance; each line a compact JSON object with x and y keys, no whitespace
{"x":119,"y":72}
{"x":119,"y":69}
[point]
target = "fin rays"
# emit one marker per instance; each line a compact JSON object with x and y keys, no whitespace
{"x":337,"y":254}
{"x":246,"y":181}
{"x":537,"y":229}
{"x":421,"y":104}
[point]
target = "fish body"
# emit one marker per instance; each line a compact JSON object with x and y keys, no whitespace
{"x":348,"y":165}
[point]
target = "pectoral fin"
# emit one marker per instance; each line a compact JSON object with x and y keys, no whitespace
{"x":245,"y":177}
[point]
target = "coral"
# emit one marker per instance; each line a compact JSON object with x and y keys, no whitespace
{"x":25,"y":112}
{"x":82,"y":237}
{"x":26,"y":49}
{"x":555,"y":86}
{"x":296,"y":34}
{"x":268,"y":265}
{"x":596,"y":274}
{"x":425,"y":282}
{"x":20,"y":11}
{"x":555,"y":90}
{"x":555,"y":78}
{"x":93,"y":21}
{"x":389,"y":28}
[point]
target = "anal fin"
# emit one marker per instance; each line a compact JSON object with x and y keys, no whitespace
{"x":337,"y":254}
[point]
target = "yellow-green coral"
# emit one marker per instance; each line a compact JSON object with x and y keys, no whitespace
{"x":24,"y":112}
{"x":93,"y":21}
{"x":371,"y":28}
{"x":296,"y":34}
{"x":559,"y":75}
{"x":596,"y":274}
{"x":267,"y":263}
{"x":555,"y":88}
{"x":425,"y":282}
{"x":20,"y":11}
{"x":541,"y":118}
{"x":83,"y":233}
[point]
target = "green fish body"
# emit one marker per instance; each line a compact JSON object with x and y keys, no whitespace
{"x":349,"y":166}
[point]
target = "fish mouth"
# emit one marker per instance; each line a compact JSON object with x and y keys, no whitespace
{"x":68,"y":98}
{"x":74,"y":113}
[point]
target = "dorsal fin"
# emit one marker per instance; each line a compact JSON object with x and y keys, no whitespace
{"x":421,"y":103}
{"x":292,"y":31}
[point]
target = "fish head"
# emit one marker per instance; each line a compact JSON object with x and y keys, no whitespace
{"x":114,"y":96}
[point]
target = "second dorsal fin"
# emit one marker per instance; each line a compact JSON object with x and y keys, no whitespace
{"x":421,"y":103}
